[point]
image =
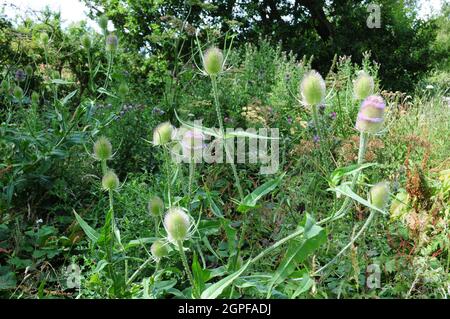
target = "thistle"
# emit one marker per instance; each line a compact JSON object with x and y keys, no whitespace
{"x":371,"y":115}
{"x":156,"y":206}
{"x":103,"y":149}
{"x":213,"y":61}
{"x":379,"y":195}
{"x":363,"y":86}
{"x":313,"y":88}
{"x":20,"y":75}
{"x":177,"y":224}
{"x":110,"y":181}
{"x":162,"y":134}
{"x":159,"y":250}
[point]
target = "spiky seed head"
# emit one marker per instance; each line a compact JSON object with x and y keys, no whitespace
{"x":35,"y":98}
{"x":313,"y":88}
{"x":379,"y":195}
{"x":156,"y":206}
{"x":213,"y":61}
{"x":86,"y":42}
{"x":29,"y":70}
{"x":111,"y":42}
{"x":162,"y":134}
{"x":123,"y":89}
{"x":192,"y":143}
{"x":18,"y":93}
{"x":103,"y":22}
{"x":44,"y":38}
{"x":102,"y":149}
{"x":363,"y":86}
{"x":5,"y":86}
{"x":110,"y":181}
{"x":177,"y":224}
{"x":159,"y":250}
{"x":371,"y":115}
{"x":20,"y":75}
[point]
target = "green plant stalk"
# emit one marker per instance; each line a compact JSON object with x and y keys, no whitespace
{"x":191,"y":179}
{"x":363,"y":139}
{"x":316,"y":122}
{"x":361,"y":231}
{"x":167,"y":165}
{"x":138,"y":271}
{"x":188,"y":270}
{"x":222,"y":130}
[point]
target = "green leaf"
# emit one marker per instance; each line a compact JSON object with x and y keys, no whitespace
{"x":62,"y":82}
{"x":68,"y":97}
{"x":299,"y":249}
{"x":346,"y":190}
{"x":251,"y":199}
{"x":339,"y":173}
{"x":215,"y":290}
{"x":92,"y":234}
{"x":200,"y":275}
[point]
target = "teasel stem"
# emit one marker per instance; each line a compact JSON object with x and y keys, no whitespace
{"x":222,"y":131}
{"x":191,"y":179}
{"x":141,"y":267}
{"x":167,"y":166}
{"x":188,"y":270}
{"x":316,"y":122}
{"x":363,"y":139}
{"x":361,"y":231}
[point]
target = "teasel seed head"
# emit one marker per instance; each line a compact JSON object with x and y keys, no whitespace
{"x":29,"y":70}
{"x":159,"y":250}
{"x":110,"y":181}
{"x":18,"y":93}
{"x":5,"y":86}
{"x":371,"y":115}
{"x":102,"y":149}
{"x":192,"y":143}
{"x":379,"y":195}
{"x":86,"y":42}
{"x":156,"y":206}
{"x":35,"y":98}
{"x":44,"y":38}
{"x":162,"y":134}
{"x":123,"y":89}
{"x":213,"y":61}
{"x":111,"y":43}
{"x":103,"y":22}
{"x":313,"y":88}
{"x":177,"y":224}
{"x":20,"y":75}
{"x":363,"y":86}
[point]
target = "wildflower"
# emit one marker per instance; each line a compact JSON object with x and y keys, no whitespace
{"x":316,"y":139}
{"x":18,"y":93}
{"x":379,"y":195}
{"x":111,"y":42}
{"x":159,"y":250}
{"x":157,"y":110}
{"x":333,"y":115}
{"x":20,"y":75}
{"x":110,"y":181}
{"x":192,"y":143}
{"x":363,"y":86}
{"x":103,"y":149}
{"x":162,"y":134}
{"x":156,"y":206}
{"x":313,"y":88}
{"x":429,"y":87}
{"x":177,"y":224}
{"x":371,"y":114}
{"x":213,"y":61}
